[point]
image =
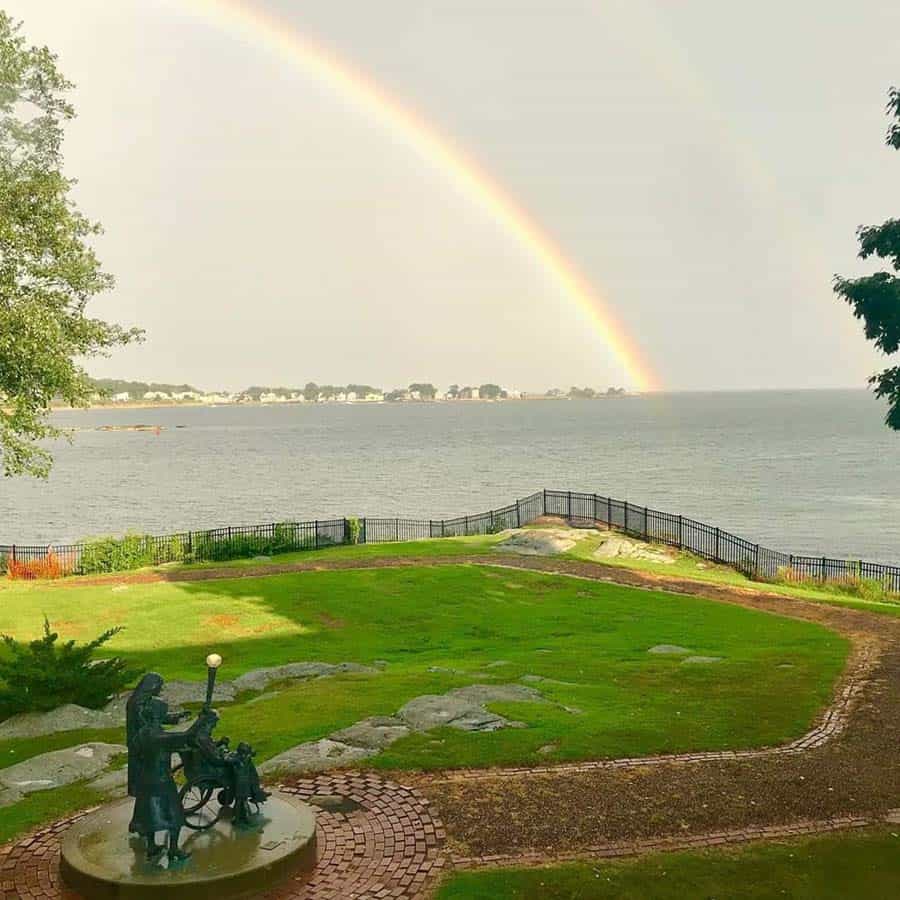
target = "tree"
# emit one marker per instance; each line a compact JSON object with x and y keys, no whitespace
{"x":425,"y":391}
{"x":311,"y":392}
{"x":48,"y":271}
{"x":489,"y":391}
{"x":586,"y":393}
{"x":453,"y":391}
{"x":876,"y":298}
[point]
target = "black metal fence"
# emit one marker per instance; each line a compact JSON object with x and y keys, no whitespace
{"x":641,"y":522}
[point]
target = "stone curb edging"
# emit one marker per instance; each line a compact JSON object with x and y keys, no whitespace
{"x":619,"y":849}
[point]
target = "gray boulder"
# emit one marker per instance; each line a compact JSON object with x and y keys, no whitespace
{"x":55,"y":769}
{"x":374,"y":733}
{"x":260,"y":679}
{"x":669,"y":649}
{"x":316,"y":756}
{"x":70,"y":717}
{"x":464,"y":708}
{"x":177,"y":693}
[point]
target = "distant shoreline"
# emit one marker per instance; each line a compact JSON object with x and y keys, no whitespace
{"x":194,"y":404}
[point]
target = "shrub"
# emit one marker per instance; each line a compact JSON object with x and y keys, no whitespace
{"x":40,"y":676}
{"x":354,"y":530}
{"x":49,"y":566}
{"x":216,"y":547}
{"x":111,"y":554}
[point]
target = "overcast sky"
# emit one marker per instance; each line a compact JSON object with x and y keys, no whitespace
{"x":705,"y":164}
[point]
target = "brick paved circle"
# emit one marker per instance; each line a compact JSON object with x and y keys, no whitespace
{"x":383,"y":842}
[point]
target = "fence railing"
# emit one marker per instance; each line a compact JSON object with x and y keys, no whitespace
{"x":642,"y":522}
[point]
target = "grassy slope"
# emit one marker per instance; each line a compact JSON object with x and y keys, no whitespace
{"x":590,"y":638}
{"x":862,"y":865}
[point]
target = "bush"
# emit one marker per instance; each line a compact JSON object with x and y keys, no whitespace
{"x":48,"y":566}
{"x":854,"y":585}
{"x":40,"y":676}
{"x":110,"y":554}
{"x":354,"y":530}
{"x":216,"y":547}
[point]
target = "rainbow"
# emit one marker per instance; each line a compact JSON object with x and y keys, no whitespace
{"x":264,"y":28}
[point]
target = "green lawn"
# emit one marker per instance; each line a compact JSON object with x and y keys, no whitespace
{"x":437,"y":628}
{"x":861,"y":865}
{"x":590,"y":639}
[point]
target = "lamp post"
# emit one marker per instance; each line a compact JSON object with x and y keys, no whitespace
{"x":213,"y":661}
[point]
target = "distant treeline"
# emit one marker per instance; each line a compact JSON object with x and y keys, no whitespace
{"x":311,"y":392}
{"x":110,"y":386}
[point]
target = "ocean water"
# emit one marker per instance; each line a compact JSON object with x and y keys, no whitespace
{"x":802,"y":471}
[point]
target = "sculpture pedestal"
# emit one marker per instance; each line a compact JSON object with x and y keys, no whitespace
{"x":99,"y":859}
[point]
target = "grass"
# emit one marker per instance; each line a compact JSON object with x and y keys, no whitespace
{"x":45,"y":806}
{"x":687,"y":565}
{"x":864,"y":865}
{"x":589,"y":639}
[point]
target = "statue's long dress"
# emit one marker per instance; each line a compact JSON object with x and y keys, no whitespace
{"x":157,"y":806}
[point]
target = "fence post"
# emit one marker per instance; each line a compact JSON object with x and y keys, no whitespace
{"x":717,"y":546}
{"x":595,"y":509}
{"x":229,"y":532}
{"x":397,"y":528}
{"x":569,"y":506}
{"x":13,"y":552}
{"x":823,"y":568}
{"x":492,"y":520}
{"x":190,"y":544}
{"x":609,"y":513}
{"x":680,"y":533}
{"x":362,"y":530}
{"x":646,"y":524}
{"x":317,"y":534}
{"x":626,"y":517}
{"x":756,"y":563}
{"x":518,"y":516}
{"x":543,"y":501}
{"x":443,"y":533}
{"x":467,"y":525}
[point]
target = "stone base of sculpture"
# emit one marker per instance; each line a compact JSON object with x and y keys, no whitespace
{"x":100,"y":860}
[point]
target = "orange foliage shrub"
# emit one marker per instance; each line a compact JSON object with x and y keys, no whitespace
{"x":29,"y":570}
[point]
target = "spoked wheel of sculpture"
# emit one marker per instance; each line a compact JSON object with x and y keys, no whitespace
{"x":200,"y":810}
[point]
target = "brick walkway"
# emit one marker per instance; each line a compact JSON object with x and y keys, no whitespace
{"x":387,"y":844}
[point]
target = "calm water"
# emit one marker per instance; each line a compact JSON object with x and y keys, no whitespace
{"x":800,"y":471}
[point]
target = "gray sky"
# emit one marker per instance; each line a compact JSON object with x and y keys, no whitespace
{"x":705,"y":164}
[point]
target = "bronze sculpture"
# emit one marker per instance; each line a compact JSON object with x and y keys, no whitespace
{"x":212,"y":774}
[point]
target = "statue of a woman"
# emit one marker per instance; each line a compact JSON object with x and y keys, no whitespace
{"x":157,"y":806}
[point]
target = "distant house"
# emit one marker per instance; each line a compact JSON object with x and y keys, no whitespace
{"x":217,"y":398}
{"x":157,"y":395}
{"x":122,"y":397}
{"x":373,"y":398}
{"x":351,"y":396}
{"x":341,"y":397}
{"x":187,"y":395}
